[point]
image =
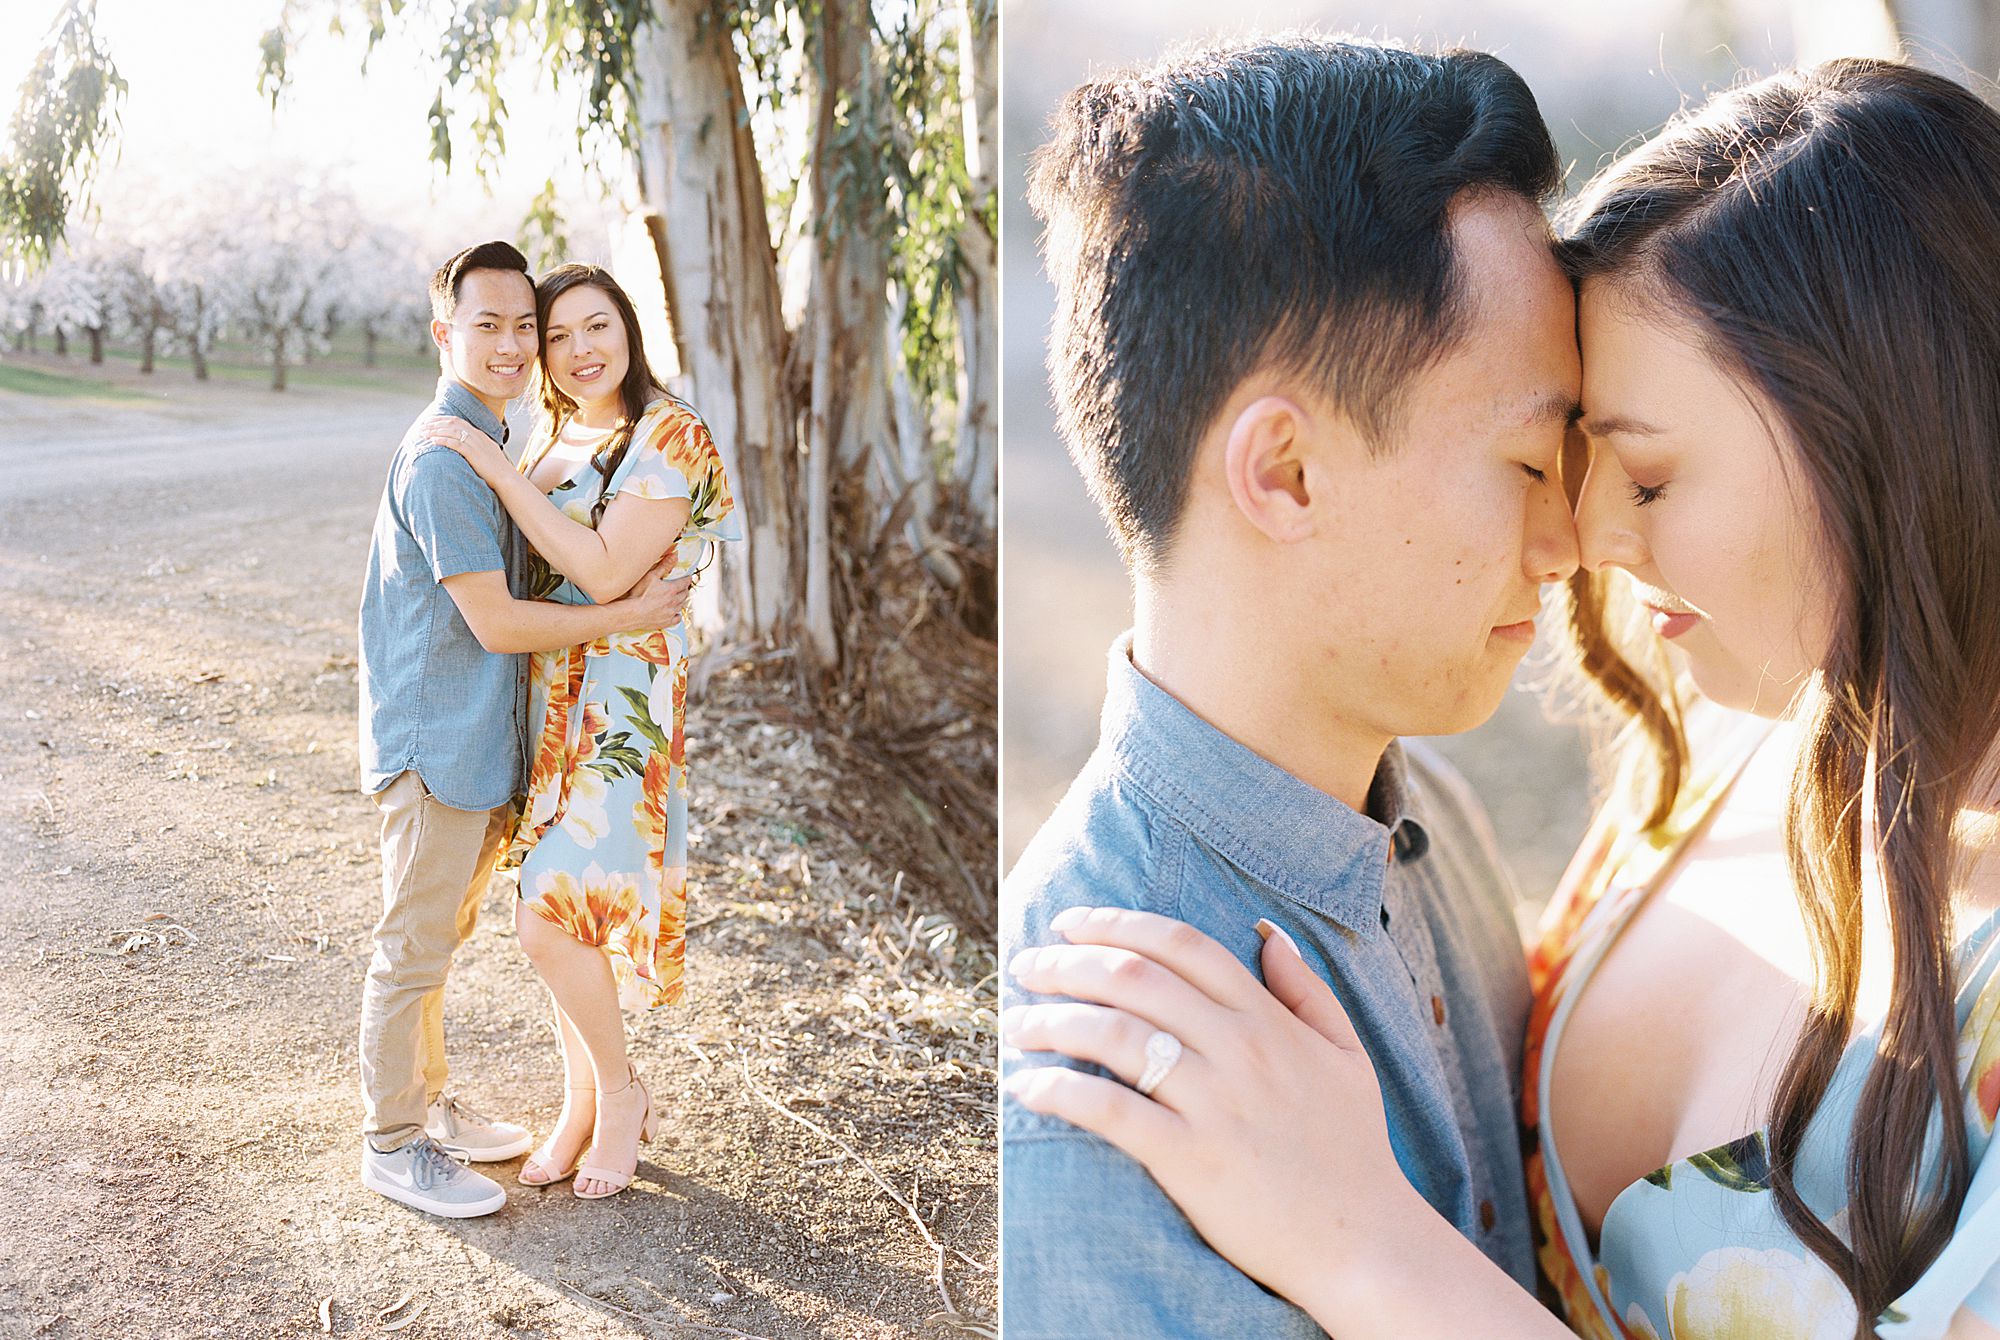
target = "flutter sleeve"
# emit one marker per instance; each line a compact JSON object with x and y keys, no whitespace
{"x":672,"y":456}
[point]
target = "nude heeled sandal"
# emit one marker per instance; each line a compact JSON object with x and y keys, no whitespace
{"x":541,"y":1158}
{"x":649,"y":1126}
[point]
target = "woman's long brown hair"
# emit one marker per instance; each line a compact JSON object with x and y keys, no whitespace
{"x":1836,"y":233}
{"x":639,"y":388}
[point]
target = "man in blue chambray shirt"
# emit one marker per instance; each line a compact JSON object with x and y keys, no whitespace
{"x":444,"y":731}
{"x":1315,"y":359}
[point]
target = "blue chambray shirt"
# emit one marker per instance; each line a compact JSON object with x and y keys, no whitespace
{"x":432,"y":698}
{"x":1409,"y":914}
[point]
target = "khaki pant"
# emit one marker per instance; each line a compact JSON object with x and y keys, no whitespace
{"x":436,"y":863}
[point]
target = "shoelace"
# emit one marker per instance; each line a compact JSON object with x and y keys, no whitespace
{"x":457,"y":1114}
{"x":431,"y":1163}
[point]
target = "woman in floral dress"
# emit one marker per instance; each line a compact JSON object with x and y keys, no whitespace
{"x":1763,"y":1062}
{"x":618,"y":474}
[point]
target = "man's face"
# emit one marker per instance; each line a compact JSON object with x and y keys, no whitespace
{"x":1425,"y":570}
{"x":489,"y":343}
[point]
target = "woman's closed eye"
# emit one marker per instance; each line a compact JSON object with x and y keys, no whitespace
{"x":1643,"y":495}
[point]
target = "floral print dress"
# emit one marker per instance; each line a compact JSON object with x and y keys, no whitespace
{"x":601,"y":842}
{"x":1699,"y":1250}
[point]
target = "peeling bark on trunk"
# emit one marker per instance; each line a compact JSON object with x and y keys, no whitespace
{"x":978,"y":454}
{"x":977,"y":459}
{"x":697,"y":175}
{"x":916,"y":471}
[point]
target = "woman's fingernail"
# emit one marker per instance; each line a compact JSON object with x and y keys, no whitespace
{"x":1023,"y":962}
{"x":1266,"y":928}
{"x":1068,"y":917}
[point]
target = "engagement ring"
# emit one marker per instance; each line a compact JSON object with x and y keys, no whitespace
{"x":1163,"y":1052}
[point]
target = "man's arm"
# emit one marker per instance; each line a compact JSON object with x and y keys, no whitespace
{"x":504,"y":624}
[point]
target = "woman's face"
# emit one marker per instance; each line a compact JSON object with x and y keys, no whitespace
{"x":1688,"y":492}
{"x":583,"y":345}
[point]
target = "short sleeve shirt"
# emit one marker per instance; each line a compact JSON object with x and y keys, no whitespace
{"x":433,"y":700}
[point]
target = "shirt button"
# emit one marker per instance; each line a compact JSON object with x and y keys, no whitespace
{"x":1437,"y":1010}
{"x":1486,"y":1215}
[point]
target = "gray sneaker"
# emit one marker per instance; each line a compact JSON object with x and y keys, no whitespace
{"x":423,"y":1176}
{"x":481,"y":1139}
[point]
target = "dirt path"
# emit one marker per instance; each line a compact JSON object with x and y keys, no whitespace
{"x":188,"y":878}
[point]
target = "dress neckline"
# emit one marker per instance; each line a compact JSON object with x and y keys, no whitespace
{"x":1753,"y":1147}
{"x":1747,"y":1156}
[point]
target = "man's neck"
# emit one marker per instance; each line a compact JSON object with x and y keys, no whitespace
{"x":497,"y":407}
{"x":1228,"y":677}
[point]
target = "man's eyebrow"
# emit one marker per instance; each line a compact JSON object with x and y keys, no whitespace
{"x":1543,"y":407}
{"x":1604,"y":425}
{"x":488,"y":311}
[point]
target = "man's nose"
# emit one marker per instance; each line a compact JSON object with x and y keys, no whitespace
{"x":1550,"y":551}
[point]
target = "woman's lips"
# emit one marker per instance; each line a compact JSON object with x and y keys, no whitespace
{"x":1523,"y":631}
{"x":589,"y":374}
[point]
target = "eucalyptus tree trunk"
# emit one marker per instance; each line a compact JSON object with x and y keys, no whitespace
{"x":850,"y":430}
{"x":702,"y":194}
{"x":915,"y":470}
{"x":978,"y":455}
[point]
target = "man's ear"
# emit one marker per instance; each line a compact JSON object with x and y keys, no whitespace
{"x":441,"y":335}
{"x":1264,"y":460}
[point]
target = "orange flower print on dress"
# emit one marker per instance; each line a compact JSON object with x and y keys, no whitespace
{"x":1979,"y":1052}
{"x":591,"y":907}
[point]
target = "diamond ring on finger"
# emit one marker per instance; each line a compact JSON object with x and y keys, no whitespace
{"x":1163,"y":1052}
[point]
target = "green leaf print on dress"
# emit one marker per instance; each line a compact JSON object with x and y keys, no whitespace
{"x":1740,"y":1165}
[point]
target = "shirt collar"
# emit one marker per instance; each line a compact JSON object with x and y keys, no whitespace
{"x":1278,"y":829}
{"x":454,"y":399}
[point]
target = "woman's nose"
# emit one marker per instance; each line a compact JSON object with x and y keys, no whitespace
{"x":1605,"y":535}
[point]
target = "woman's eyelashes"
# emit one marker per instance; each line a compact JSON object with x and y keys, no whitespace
{"x":557,"y":337}
{"x":1539,"y":476}
{"x":1642,"y":495}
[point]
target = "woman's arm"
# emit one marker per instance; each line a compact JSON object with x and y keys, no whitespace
{"x":1268,"y":1132}
{"x":504,"y":624}
{"x":629,"y":538}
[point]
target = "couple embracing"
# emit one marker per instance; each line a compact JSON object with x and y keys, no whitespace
{"x":1281,"y":1064}
{"x":523,"y":686}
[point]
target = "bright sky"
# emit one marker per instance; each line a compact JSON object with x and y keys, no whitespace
{"x":193,"y":114}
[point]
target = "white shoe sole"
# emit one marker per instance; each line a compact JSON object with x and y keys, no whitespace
{"x":416,"y":1200}
{"x":492,"y":1154}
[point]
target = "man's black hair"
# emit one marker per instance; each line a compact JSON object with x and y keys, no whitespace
{"x":1279,"y":203}
{"x":484,"y":256}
